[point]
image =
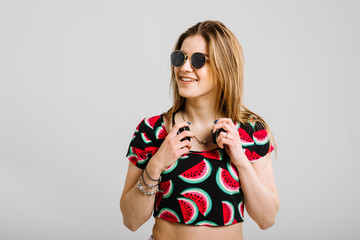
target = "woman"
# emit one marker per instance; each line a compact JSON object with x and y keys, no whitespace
{"x":196,"y":166}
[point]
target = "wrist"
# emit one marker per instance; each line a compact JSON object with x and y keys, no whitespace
{"x":154,"y":170}
{"x":242,"y":165}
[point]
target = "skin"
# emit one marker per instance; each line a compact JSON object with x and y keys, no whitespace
{"x":257,"y":180}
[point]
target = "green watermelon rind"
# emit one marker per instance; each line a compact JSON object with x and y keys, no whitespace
{"x":201,"y":179}
{"x":206,"y":223}
{"x":241,"y":212}
{"x":170,"y":168}
{"x":163,"y":210}
{"x":171,"y":188}
{"x":259,"y":141}
{"x":207,"y":201}
{"x":184,"y":156}
{"x":252,"y":121}
{"x":232,"y":172}
{"x":145,"y":138}
{"x":232,"y":212}
{"x":222,"y":185}
{"x":194,"y":207}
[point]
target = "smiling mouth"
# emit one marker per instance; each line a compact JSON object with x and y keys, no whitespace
{"x":185,"y":79}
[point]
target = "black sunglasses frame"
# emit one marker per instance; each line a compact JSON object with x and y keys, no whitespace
{"x":191,"y":58}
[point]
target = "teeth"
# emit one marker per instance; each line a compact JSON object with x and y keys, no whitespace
{"x":188,"y":80}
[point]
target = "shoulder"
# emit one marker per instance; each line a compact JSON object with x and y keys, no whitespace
{"x":150,"y":123}
{"x":255,"y":138}
{"x":251,"y":125}
{"x":151,"y":128}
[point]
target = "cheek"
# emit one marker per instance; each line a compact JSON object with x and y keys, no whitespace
{"x":176,"y":71}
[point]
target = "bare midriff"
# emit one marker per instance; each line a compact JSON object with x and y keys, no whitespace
{"x":164,"y":230}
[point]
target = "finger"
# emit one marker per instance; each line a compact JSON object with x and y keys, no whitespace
{"x":222,"y":142}
{"x":184,"y":134}
{"x":184,"y":151}
{"x":176,"y":128}
{"x":185,"y":144}
{"x":223,"y":125}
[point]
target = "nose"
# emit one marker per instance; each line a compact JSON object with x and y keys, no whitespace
{"x":186,"y":67}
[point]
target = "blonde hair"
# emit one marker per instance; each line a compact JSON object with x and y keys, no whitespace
{"x":227,"y":63}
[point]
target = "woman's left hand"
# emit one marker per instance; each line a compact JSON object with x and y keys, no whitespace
{"x":230,"y":140}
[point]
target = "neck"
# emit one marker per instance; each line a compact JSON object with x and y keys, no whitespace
{"x":200,"y":112}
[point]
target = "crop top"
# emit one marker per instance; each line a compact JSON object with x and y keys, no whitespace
{"x":202,"y":187}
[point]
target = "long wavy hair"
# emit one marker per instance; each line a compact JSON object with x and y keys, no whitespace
{"x":227,"y":63}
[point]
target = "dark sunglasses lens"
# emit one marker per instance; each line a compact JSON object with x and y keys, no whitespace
{"x":177,"y":58}
{"x":198,"y":60}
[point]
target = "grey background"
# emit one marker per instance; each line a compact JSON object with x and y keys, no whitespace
{"x":76,"y":77}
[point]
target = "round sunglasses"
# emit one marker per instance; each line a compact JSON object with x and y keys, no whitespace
{"x":197,"y":60}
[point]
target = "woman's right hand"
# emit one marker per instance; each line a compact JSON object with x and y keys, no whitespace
{"x":173,"y":148}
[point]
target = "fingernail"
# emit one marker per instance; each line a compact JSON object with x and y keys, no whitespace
{"x":211,"y":131}
{"x":215,"y":121}
{"x":189,"y":123}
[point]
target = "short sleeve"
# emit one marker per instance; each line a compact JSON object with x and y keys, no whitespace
{"x":258,"y":141}
{"x":143,"y":145}
{"x":261,"y":140}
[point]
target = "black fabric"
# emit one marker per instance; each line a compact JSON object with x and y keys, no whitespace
{"x":211,"y":194}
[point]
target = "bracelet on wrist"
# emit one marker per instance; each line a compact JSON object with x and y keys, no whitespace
{"x":155,"y":180}
{"x":147,"y":185}
{"x":139,"y":185}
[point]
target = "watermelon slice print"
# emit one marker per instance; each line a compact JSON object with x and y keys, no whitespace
{"x":167,"y":188}
{"x":168,"y":215}
{"x":252,"y":121}
{"x":160,"y":132}
{"x":245,"y":139}
{"x":133,"y":159}
{"x":226,"y":182}
{"x":261,"y":137}
{"x":232,"y":170}
{"x":145,"y":138}
{"x":252,"y":156}
{"x":141,"y":154}
{"x":241,"y":210}
{"x":170,"y":168}
{"x":150,"y":122}
{"x":206,"y":223}
{"x":211,"y":154}
{"x":201,"y":199}
{"x":198,"y":173}
{"x":189,"y":210}
{"x":228,"y":212}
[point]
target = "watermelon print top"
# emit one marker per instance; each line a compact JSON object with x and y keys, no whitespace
{"x":201,"y":188}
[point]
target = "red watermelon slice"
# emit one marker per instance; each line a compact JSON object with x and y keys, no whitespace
{"x":198,"y":173}
{"x":150,"y":122}
{"x":189,"y":210}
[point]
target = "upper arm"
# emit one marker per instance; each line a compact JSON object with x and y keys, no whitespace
{"x":132,"y":177}
{"x":264,"y":171}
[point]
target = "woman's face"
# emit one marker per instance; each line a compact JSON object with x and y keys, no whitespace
{"x":194,"y":83}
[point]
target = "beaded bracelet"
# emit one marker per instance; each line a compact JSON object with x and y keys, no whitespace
{"x":148,"y":186}
{"x":139,"y":185}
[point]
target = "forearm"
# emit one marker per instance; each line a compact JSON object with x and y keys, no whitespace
{"x":136,"y":206}
{"x":261,"y":203}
